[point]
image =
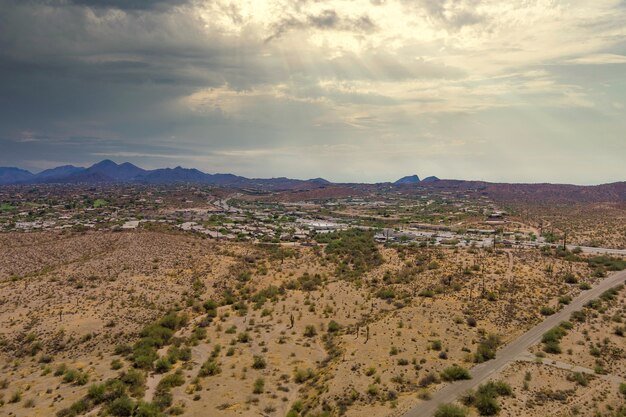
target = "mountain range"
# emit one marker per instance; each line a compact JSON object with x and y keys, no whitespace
{"x":108,"y":171}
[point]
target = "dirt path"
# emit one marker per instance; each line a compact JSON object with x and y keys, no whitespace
{"x":529,"y":357}
{"x":480,"y":373}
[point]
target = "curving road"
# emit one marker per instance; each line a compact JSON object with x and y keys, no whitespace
{"x":481,"y":372}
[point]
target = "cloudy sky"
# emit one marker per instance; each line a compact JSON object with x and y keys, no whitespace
{"x":356,"y":90}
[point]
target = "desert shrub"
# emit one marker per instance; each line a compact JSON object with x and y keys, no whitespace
{"x":162,"y":399}
{"x":172,"y":380}
{"x":172,"y":321}
{"x":303,"y":375}
{"x":485,"y":397}
{"x":566,"y":325}
{"x":428,"y":379}
{"x":156,"y":335}
{"x":436,"y":345}
{"x":310,"y":331}
{"x":75,"y":376}
{"x":495,"y":389}
{"x":353,"y":250}
{"x":427,"y":293}
{"x":122,"y":407}
{"x":16,"y":397}
{"x":209,"y":368}
{"x":79,"y":407}
{"x":450,"y":410}
{"x":487,"y":405}
{"x":607,"y":262}
{"x":609,"y":294}
{"x":579,"y":316}
{"x":162,"y":365}
{"x":386,"y":293}
{"x":97,"y":393}
{"x":123,"y":349}
{"x":546,"y":311}
{"x":144,"y":353}
{"x":270,"y":293}
{"x":565,"y":299}
{"x":333,"y":327}
{"x":571,"y":279}
{"x":552,"y":347}
{"x":258,"y":362}
{"x":372,"y":390}
{"x":553,"y":335}
{"x":455,"y":373}
{"x":210,"y":307}
{"x":259,"y":384}
{"x":145,"y":409}
{"x":486,"y":349}
{"x":306,"y":282}
{"x":580,"y":378}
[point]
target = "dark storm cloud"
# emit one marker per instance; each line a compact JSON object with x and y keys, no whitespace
{"x":453,"y":14}
{"x":154,"y":80}
{"x":325,"y":20}
{"x":111,"y":4}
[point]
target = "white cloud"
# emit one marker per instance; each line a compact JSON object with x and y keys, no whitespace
{"x":598,"y":59}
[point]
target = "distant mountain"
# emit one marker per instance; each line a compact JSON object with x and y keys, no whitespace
{"x":121,"y":172}
{"x":108,"y":171}
{"x":410,"y":179}
{"x":320,"y":181}
{"x":178,"y":174}
{"x":12,"y":175}
{"x":430,"y":179}
{"x":59,"y":172}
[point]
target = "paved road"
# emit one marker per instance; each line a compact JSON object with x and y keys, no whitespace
{"x":481,"y":372}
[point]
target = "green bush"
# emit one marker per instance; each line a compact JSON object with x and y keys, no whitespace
{"x":121,"y":407}
{"x":303,"y":375}
{"x":552,"y":347}
{"x":97,"y":393}
{"x":450,"y":410}
{"x":386,"y":293}
{"x":487,"y":405}
{"x":455,"y":373}
{"x":145,"y":409}
{"x":579,"y":316}
{"x":176,"y":379}
{"x":259,"y":385}
{"x":134,"y":380}
{"x":310,"y":331}
{"x":486,"y":349}
{"x":209,"y":368}
{"x":258,"y":362}
{"x":333,"y":327}
{"x":162,"y":365}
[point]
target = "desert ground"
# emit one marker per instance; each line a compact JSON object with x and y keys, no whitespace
{"x":197,"y":327}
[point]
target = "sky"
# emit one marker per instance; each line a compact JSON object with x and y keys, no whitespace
{"x":357,"y":90}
